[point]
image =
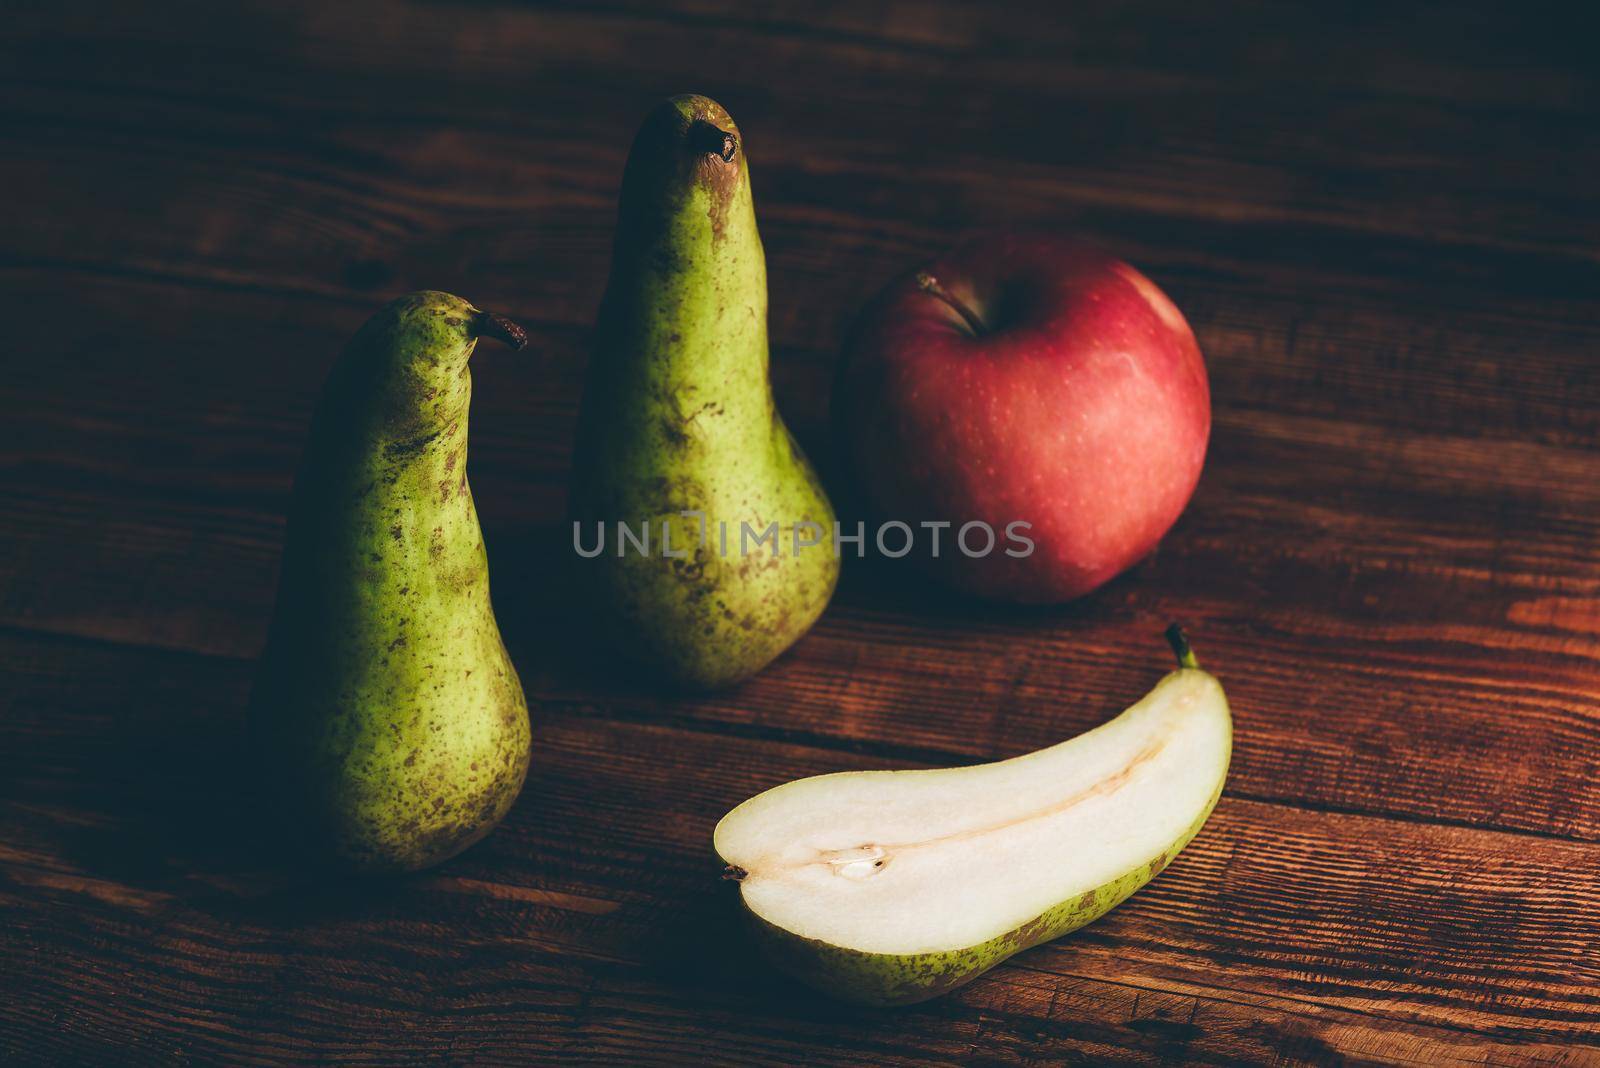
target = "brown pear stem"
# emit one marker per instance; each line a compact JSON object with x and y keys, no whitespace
{"x":929,"y":284}
{"x":501,"y":329}
{"x":1180,"y":647}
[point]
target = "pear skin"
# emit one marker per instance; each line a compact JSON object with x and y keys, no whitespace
{"x":888,"y":979}
{"x":387,"y":714}
{"x":678,"y":417}
{"x":892,"y":887}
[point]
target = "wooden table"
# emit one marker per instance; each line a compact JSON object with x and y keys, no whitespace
{"x":1383,"y":227}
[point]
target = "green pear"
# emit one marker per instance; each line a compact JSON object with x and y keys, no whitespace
{"x":731,"y":556}
{"x":386,"y":710}
{"x":890,"y":887}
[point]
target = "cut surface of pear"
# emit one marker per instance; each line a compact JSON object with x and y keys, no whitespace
{"x":893,"y":886}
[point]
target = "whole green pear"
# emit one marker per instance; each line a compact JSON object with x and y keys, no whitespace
{"x":731,"y":558}
{"x":386,"y":711}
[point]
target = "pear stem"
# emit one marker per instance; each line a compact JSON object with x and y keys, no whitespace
{"x":501,"y":329}
{"x":704,"y":137}
{"x":1180,"y":647}
{"x":929,"y":284}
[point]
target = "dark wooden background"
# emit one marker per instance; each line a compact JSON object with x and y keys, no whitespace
{"x":1383,"y":225}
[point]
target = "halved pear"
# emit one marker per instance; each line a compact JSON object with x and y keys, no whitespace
{"x":890,"y":887}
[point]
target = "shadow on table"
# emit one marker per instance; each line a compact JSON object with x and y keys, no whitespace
{"x":706,"y":951}
{"x":558,"y":649}
{"x":160,"y":806}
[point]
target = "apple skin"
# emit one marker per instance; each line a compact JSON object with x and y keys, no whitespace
{"x":1080,"y":406}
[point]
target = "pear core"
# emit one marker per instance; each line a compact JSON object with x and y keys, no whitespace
{"x":921,"y":862}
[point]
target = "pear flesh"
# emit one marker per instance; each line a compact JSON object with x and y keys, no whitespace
{"x":890,"y":887}
{"x":386,"y":714}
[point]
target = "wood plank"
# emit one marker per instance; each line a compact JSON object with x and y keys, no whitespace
{"x":397,"y":196}
{"x":1295,"y":313}
{"x":401,"y":156}
{"x":1389,"y":610}
{"x":378,"y":181}
{"x":1381,"y":224}
{"x":593,"y":923}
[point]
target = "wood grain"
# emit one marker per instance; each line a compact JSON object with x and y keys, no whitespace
{"x":1381,"y":224}
{"x":135,"y":860}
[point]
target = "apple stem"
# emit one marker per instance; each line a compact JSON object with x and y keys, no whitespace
{"x":734,"y":873}
{"x":1180,"y":646}
{"x":929,"y":284}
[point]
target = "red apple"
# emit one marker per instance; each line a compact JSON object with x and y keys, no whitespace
{"x":1026,"y":379}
